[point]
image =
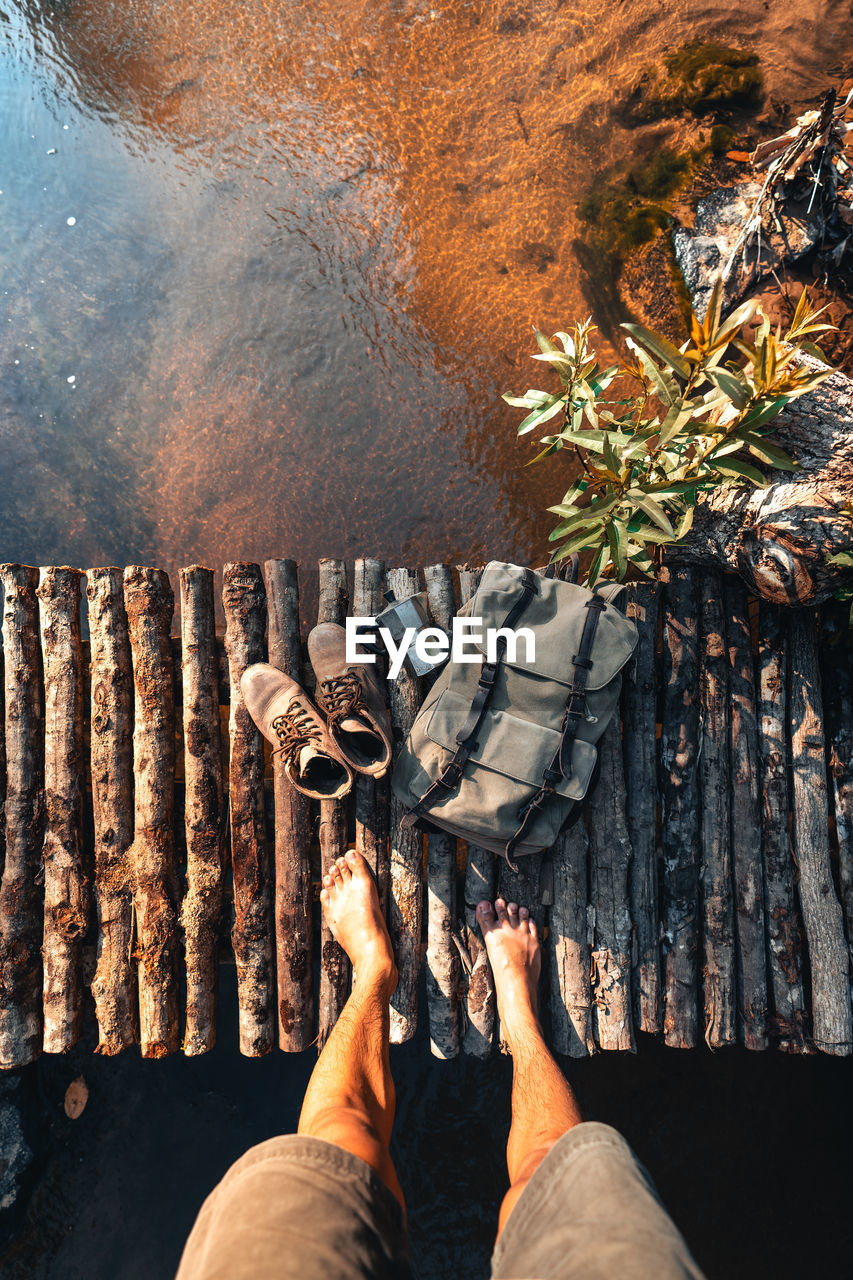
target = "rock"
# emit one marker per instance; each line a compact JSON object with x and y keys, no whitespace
{"x":16,"y":1155}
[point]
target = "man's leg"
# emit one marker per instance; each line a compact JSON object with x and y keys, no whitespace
{"x":350,"y":1096}
{"x":543,"y":1105}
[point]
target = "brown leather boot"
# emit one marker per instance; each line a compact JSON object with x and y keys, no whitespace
{"x":289,"y":720}
{"x":352,"y":698}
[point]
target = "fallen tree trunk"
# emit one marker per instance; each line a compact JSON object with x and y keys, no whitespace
{"x":372,"y":794}
{"x":569,"y":945}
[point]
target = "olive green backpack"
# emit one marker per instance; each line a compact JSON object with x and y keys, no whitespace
{"x":502,"y":753}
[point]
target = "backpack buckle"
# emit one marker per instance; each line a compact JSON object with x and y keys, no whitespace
{"x":450,"y":775}
{"x":488,"y":674}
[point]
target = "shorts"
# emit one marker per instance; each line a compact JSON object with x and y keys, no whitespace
{"x":299,"y":1207}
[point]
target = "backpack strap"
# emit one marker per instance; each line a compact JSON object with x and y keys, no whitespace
{"x":451,"y":774}
{"x":561,"y":765}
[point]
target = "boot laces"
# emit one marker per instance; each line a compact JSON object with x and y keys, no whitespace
{"x":295,"y":728}
{"x":340,"y":696}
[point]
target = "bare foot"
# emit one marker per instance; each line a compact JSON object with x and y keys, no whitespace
{"x":351,"y":906}
{"x":512,"y":946}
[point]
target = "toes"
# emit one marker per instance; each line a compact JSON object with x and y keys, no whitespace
{"x":485,"y":914}
{"x":324,"y":897}
{"x":500,"y":908}
{"x":335,"y":873}
{"x":534,"y":932}
{"x":512,"y":909}
{"x":523,"y":918}
{"x":328,"y":881}
{"x":343,"y":868}
{"x":355,"y":862}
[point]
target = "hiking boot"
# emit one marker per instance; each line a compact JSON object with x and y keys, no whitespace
{"x":351,"y":696}
{"x":289,"y":720}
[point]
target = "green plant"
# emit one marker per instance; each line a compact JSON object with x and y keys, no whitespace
{"x":688,"y":424}
{"x":699,"y":78}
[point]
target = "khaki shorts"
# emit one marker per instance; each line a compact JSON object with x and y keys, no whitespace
{"x":299,"y":1207}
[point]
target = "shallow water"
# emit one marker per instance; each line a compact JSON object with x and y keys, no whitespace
{"x":309,"y":244}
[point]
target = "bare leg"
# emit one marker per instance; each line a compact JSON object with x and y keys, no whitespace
{"x":543,"y":1105}
{"x":350,"y":1096}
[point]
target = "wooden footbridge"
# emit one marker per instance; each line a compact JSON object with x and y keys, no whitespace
{"x":707,"y":894}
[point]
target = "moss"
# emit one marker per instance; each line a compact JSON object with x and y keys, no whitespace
{"x":697,"y":77}
{"x":722,"y":138}
{"x":625,"y":213}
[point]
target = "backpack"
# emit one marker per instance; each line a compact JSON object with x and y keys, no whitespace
{"x":502,"y":753}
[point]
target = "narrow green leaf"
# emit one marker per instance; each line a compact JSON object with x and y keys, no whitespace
{"x":770,"y":453}
{"x":599,"y":562}
{"x":540,"y":416}
{"x":660,"y":347}
{"x":731,"y":385}
{"x":737,"y":467}
{"x":651,"y":508}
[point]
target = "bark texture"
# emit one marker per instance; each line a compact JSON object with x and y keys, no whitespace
{"x":334,"y":965}
{"x":406,"y":848}
{"x":20,"y":889}
{"x":680,"y":806}
{"x":718,"y":922}
{"x":778,"y":538}
{"x":837,"y":672}
{"x":66,"y":897}
{"x":204,"y":818}
{"x":746,"y":823}
{"x":372,"y":794}
{"x":149,"y":603}
{"x":569,"y":944}
{"x":640,"y":754}
{"x":293,"y":896}
{"x":784,"y":950}
{"x":480,"y":1004}
{"x":442,"y":957}
{"x":244,"y":601}
{"x":831,"y":1023}
{"x":609,"y":869}
{"x":114,"y":986}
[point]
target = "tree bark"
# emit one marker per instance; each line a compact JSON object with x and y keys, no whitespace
{"x":406,"y":848}
{"x":114,"y":987}
{"x":2,"y":766}
{"x":831,"y":1022}
{"x":149,"y":603}
{"x":66,"y":900}
{"x":779,"y":538}
{"x":609,"y":863}
{"x":480,"y":1005}
{"x":442,"y":958}
{"x":244,"y":601}
{"x":334,"y":965}
{"x":20,"y":892}
{"x":294,"y":930}
{"x":718,"y":932}
{"x":372,"y":794}
{"x":746,"y":823}
{"x":680,"y":806}
{"x":784,"y":951}
{"x":837,"y":669}
{"x":639,"y":743}
{"x":201,"y":910}
{"x":569,"y":945}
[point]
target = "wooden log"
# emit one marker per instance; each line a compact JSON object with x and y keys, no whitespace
{"x":746,"y":823}
{"x":293,"y":895}
{"x":837,"y":678}
{"x":149,"y":604}
{"x":609,"y":866}
{"x":442,"y":957}
{"x":2,"y":766}
{"x":680,"y":806}
{"x":822,"y":917}
{"x":480,"y":1004}
{"x":371,"y":794}
{"x":784,"y":951}
{"x":66,"y":898}
{"x":406,"y":849}
{"x":715,"y":829}
{"x":568,"y":944}
{"x":640,"y":759}
{"x":114,"y":986}
{"x":204,"y":816}
{"x":20,"y":889}
{"x":334,"y":965}
{"x":244,"y":601}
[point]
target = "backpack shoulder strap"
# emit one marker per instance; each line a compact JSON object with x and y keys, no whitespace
{"x":615,"y":593}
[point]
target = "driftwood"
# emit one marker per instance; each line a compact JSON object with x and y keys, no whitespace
{"x":293,"y":897}
{"x":718,"y":926}
{"x":20,"y":892}
{"x":406,"y":849}
{"x":569,"y":946}
{"x":149,"y":603}
{"x":680,"y":806}
{"x":836,"y":662}
{"x":204,"y":807}
{"x":822,"y":917}
{"x":371,"y":795}
{"x":114,"y":986}
{"x":334,"y":965}
{"x":784,"y":952}
{"x":66,"y":899}
{"x":244,"y":601}
{"x":442,"y":958}
{"x":640,"y":760}
{"x":746,"y":823}
{"x":609,"y":864}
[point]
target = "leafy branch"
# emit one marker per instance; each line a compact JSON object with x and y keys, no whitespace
{"x":690,"y":419}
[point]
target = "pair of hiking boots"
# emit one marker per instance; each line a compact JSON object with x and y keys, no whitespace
{"x":344,"y":731}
